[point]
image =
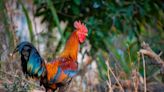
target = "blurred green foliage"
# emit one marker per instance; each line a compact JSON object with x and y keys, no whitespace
{"x":25,"y":11}
{"x":116,"y":27}
{"x":105,"y":18}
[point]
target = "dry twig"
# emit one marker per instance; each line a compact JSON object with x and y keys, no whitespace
{"x":30,"y":82}
{"x":144,"y":72}
{"x":146,"y":50}
{"x":122,"y":90}
{"x":150,"y":53}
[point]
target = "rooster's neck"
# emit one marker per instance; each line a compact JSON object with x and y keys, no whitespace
{"x":71,"y":47}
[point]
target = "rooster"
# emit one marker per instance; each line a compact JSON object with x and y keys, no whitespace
{"x":59,"y":72}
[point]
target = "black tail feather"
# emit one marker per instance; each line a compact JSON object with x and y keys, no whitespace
{"x":31,"y":61}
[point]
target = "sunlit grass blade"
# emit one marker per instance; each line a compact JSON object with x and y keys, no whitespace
{"x":54,"y":14}
{"x":102,"y":68}
{"x":25,"y":11}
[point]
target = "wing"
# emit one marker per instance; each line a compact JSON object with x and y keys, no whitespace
{"x":60,"y":72}
{"x":69,"y":66}
{"x":55,"y":74}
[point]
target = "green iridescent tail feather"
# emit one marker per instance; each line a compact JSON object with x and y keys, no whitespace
{"x":32,"y":63}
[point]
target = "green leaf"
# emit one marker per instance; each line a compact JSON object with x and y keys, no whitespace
{"x":54,"y":14}
{"x":102,"y":68}
{"x":77,"y":2}
{"x":75,"y":10}
{"x":28,"y":22}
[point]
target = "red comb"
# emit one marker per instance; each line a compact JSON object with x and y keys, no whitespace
{"x":80,"y":26}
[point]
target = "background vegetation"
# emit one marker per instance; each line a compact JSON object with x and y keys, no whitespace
{"x":116,"y":30}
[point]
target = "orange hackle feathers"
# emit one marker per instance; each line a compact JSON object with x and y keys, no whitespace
{"x":71,"y":47}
